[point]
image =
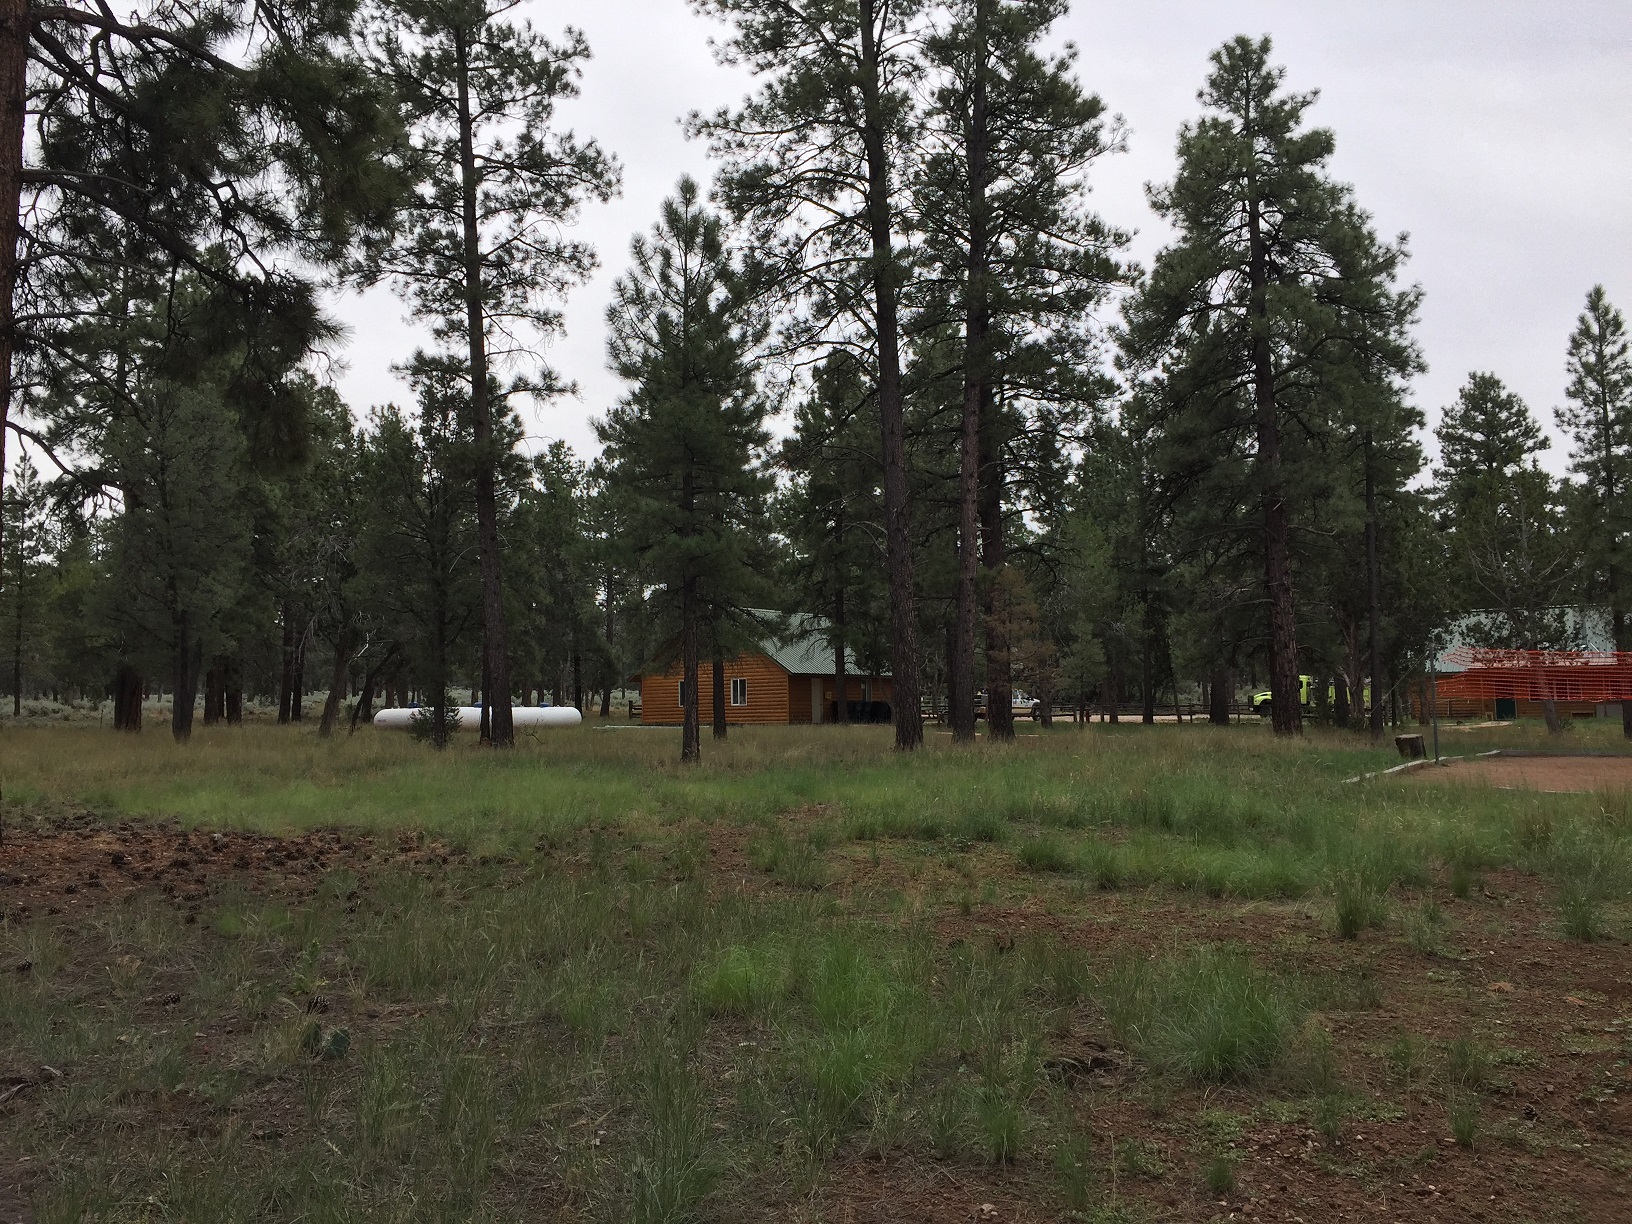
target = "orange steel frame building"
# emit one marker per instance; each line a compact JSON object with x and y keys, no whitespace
{"x":1514,"y":683}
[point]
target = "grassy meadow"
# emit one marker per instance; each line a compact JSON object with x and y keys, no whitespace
{"x":1115,"y":973}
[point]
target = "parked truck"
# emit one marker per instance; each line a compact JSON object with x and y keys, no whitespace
{"x":1263,"y":706}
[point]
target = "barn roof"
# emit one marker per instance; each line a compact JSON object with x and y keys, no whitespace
{"x":796,"y":642}
{"x":1578,"y":628}
{"x":805,"y":649}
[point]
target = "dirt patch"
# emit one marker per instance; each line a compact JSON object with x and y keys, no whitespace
{"x":1555,"y":774}
{"x":73,"y":863}
{"x":1553,"y":1016}
{"x":899,"y":1189}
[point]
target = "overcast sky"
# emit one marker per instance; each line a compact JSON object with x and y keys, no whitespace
{"x":1497,"y":133}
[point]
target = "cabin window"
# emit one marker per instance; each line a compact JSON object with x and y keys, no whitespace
{"x":681,"y":700}
{"x":739,"y":692}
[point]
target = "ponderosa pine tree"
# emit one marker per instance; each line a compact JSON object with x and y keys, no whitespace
{"x":1014,"y":255}
{"x":1598,"y":419}
{"x":223,"y":144}
{"x":27,"y":546}
{"x":334,"y":512}
{"x":552,"y":582}
{"x":830,"y":511}
{"x":1489,"y":432}
{"x":1383,"y":441}
{"x":214,"y":138}
{"x":181,"y":545}
{"x":481,"y":255}
{"x":1513,"y":561}
{"x":682,"y":448}
{"x":813,"y":163}
{"x":419,"y":578}
{"x":1275,"y":290}
{"x":616,"y":578}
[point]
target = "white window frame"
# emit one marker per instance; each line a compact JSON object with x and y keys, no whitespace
{"x":739,"y":684}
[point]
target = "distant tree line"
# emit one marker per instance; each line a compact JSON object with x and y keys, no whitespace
{"x":892,"y":370}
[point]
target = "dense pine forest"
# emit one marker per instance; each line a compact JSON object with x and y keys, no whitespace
{"x":891,"y":368}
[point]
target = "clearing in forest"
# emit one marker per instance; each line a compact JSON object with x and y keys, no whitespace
{"x":1175,"y":973}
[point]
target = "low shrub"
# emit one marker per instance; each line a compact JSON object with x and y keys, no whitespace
{"x":668,"y":1169}
{"x":1425,"y":928}
{"x":743,"y":981}
{"x":1209,"y":1014}
{"x":796,"y":863}
{"x":1588,"y":874}
{"x":1045,"y":853}
{"x":1219,"y":1174}
{"x":1358,"y":902}
{"x":1462,"y":1112}
{"x":1467,"y":1065}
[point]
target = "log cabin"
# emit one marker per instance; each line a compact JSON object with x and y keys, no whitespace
{"x":785,"y":682}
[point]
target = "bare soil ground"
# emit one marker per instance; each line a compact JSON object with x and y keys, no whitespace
{"x":1556,"y":774}
{"x":1555,"y":1133}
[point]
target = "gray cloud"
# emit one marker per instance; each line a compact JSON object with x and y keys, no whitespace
{"x":1496,"y":134}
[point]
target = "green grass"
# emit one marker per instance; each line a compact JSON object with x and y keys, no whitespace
{"x":1223,"y":812}
{"x":1208,"y":1014}
{"x":584,"y":1013}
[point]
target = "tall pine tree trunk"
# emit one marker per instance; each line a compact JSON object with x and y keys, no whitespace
{"x":1549,"y":715}
{"x":484,"y":732}
{"x":909,"y":723}
{"x":976,"y":380}
{"x":297,"y":679}
{"x":1147,"y":674}
{"x":994,"y":558}
{"x":14,"y":30}
{"x":1286,"y":710}
{"x":127,"y":699}
{"x":441,"y":731}
{"x":364,"y":709}
{"x":841,"y":681}
{"x":13,"y":100}
{"x":1621,"y":626}
{"x":1374,"y":585}
{"x":183,"y":678}
{"x":17,"y":645}
{"x":496,"y":666}
{"x":718,"y":689}
{"x":611,"y":654}
{"x":214,"y":695}
{"x":1218,"y":697}
{"x":233,"y":695}
{"x":691,"y":740}
{"x":286,"y":669}
{"x":337,"y":686}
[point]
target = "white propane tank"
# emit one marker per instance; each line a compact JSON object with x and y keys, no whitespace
{"x":470,"y":717}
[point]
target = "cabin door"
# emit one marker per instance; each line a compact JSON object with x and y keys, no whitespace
{"x":817,"y":706}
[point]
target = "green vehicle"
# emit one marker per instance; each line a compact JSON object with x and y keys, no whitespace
{"x":1262,"y":705}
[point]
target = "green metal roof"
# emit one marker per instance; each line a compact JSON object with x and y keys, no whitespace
{"x":798,"y":643}
{"x":804,"y":648}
